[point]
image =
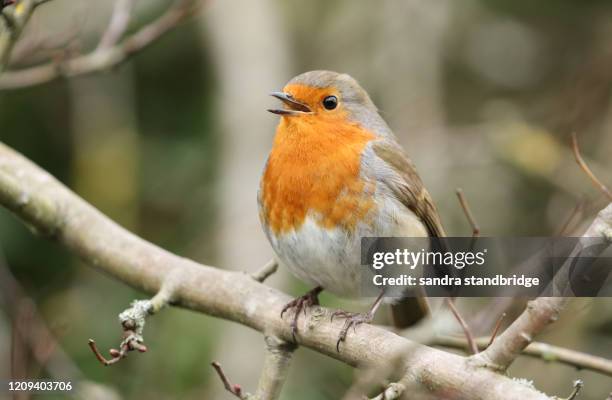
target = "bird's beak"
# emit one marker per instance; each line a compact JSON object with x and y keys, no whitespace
{"x":294,"y":107}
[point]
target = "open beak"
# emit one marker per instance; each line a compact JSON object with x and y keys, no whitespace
{"x":293,"y":107}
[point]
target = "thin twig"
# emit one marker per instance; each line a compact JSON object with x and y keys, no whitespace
{"x":575,"y":212}
{"x":464,"y":326}
{"x":15,"y":20}
{"x":266,"y":271}
{"x":102,"y":58}
{"x":234,"y":389}
{"x":583,"y":165}
{"x":119,"y":22}
{"x":99,"y":356}
{"x":578,"y":384}
{"x":129,"y":344}
{"x":273,"y":375}
{"x":496,"y":329}
{"x":133,"y":321}
{"x":544,"y":351}
{"x":468,"y":212}
{"x":41,"y":47}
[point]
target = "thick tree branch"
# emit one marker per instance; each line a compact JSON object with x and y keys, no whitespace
{"x":507,"y":347}
{"x":275,"y":369}
{"x":52,"y":210}
{"x":110,"y":52}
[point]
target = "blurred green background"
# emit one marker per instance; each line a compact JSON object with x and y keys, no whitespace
{"x":483,"y":94}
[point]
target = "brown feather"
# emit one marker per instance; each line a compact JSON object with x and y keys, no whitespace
{"x":409,"y":189}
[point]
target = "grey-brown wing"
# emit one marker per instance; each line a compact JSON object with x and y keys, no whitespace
{"x":403,"y":179}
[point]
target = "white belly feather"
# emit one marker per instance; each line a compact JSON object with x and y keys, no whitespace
{"x":331,"y":258}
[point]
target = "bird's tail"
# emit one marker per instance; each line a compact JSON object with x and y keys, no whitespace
{"x":414,"y":307}
{"x":408,"y":311}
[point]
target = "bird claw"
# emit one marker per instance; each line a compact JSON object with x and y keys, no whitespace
{"x":300,"y":304}
{"x":352,"y":320}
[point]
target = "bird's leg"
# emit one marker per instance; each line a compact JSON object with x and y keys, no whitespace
{"x":311,"y":298}
{"x":355,"y":319}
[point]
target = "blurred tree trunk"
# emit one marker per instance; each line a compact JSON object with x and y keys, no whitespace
{"x":106,"y":145}
{"x":410,"y":51}
{"x":251,"y":55}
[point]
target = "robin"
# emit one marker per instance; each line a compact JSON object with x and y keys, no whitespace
{"x":335,"y":174}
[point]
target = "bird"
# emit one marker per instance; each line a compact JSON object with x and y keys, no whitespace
{"x":335,"y":174}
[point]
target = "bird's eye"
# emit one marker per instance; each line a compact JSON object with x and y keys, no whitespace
{"x":330,"y":102}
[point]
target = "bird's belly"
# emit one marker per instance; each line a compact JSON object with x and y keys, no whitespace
{"x":331,"y":258}
{"x":324,"y":257}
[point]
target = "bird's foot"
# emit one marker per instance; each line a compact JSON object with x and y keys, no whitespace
{"x":301,"y":303}
{"x":352,"y":319}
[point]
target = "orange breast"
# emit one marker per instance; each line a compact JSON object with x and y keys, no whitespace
{"x":314,"y":167}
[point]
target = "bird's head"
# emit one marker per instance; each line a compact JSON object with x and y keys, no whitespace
{"x":324,"y":95}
